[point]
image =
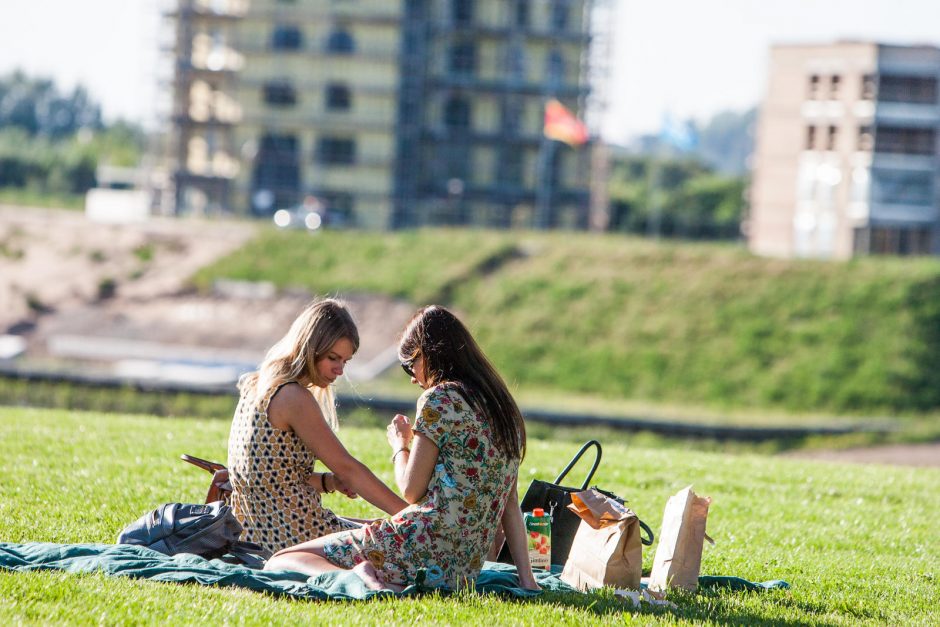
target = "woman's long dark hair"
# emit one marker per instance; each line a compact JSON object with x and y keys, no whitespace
{"x":450,"y":354}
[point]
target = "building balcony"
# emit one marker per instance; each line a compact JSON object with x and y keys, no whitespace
{"x":351,"y":12}
{"x":567,"y":35}
{"x":318,"y":50}
{"x":278,"y":118}
{"x":906,"y":113}
{"x":440,"y":134}
{"x":500,"y":86}
{"x":204,"y":13}
{"x":902,"y":215}
{"x":211,"y":122}
{"x":189,"y":69}
{"x":502,"y":192}
{"x":303,"y":87}
{"x":898,"y":161}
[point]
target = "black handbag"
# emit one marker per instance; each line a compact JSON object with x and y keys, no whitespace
{"x":554,"y":498}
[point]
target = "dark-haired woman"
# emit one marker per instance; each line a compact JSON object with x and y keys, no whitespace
{"x":457,"y":466}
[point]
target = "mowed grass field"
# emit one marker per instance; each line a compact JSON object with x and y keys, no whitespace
{"x":858,"y":544}
{"x":663,"y":323}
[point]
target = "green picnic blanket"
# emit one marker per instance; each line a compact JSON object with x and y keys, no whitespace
{"x":126,"y":560}
{"x":139,"y":562}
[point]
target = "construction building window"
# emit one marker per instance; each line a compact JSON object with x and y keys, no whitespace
{"x":810,"y":137}
{"x":286,"y":38}
{"x":835,"y":82}
{"x":510,"y":167}
{"x":913,"y":89}
{"x":339,"y":207}
{"x":560,"y":13}
{"x":882,"y":240}
{"x":512,"y":117}
{"x":338,"y":97}
{"x":869,"y":87}
{"x":866,"y":138}
{"x":276,"y":171}
{"x":340,"y":42}
{"x":463,"y":58}
{"x":462,"y":11}
{"x":555,"y":68}
{"x":522,"y":13}
{"x":280,"y":93}
{"x":457,"y":113}
{"x":905,"y":141}
{"x":812,"y":91}
{"x":902,"y":187}
{"x":336,"y":151}
{"x":832,"y":137}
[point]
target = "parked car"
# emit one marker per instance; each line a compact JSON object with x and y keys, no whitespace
{"x":307,"y":215}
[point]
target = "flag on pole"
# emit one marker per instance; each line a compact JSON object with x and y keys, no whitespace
{"x":679,"y":135}
{"x":562,"y":125}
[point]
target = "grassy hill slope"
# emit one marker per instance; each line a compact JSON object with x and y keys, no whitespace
{"x":629,"y":318}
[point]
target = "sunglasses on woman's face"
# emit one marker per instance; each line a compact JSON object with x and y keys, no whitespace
{"x":408,"y":367}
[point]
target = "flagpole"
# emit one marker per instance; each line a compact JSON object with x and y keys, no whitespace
{"x":543,"y":189}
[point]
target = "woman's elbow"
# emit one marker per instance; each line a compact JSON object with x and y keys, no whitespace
{"x":348,"y":467}
{"x":413,"y":495}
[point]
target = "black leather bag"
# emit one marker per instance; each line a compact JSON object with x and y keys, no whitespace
{"x":554,"y":498}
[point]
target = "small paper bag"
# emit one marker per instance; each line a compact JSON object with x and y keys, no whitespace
{"x":679,"y":554}
{"x":606,"y":550}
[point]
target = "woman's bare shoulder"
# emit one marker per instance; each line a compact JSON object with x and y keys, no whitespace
{"x":292,"y":401}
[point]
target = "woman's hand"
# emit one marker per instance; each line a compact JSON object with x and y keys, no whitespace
{"x":399,"y":433}
{"x":528,"y":582}
{"x":334,"y":483}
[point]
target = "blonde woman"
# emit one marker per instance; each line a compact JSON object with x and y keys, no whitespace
{"x":285,"y":421}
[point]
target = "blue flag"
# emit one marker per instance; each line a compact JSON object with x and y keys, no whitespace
{"x":677,"y":134}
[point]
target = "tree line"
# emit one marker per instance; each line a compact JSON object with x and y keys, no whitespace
{"x":52,"y":141}
{"x":694,"y":191}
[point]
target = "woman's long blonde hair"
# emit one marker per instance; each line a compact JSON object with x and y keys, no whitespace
{"x":294,"y":356}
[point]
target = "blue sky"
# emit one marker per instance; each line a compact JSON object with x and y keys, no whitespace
{"x":689,"y":58}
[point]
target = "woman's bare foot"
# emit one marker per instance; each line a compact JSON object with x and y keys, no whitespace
{"x":373,"y":580}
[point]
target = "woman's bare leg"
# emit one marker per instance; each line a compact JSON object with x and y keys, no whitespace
{"x":310,"y":558}
{"x":498,"y":539}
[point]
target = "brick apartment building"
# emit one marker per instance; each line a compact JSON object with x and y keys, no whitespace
{"x":846,"y":156}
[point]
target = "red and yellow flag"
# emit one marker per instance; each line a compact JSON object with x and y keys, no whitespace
{"x":562,"y":125}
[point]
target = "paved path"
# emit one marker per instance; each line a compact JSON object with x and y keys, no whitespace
{"x":923,"y":455}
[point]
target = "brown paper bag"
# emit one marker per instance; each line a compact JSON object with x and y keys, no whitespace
{"x":606,"y":550}
{"x":679,"y":554}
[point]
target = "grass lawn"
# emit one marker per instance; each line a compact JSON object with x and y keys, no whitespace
{"x":857,"y":543}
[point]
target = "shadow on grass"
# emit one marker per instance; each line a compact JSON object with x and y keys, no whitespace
{"x":722,"y":607}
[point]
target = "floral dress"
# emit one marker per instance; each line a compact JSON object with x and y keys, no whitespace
{"x":269,"y":468}
{"x":448,"y":533}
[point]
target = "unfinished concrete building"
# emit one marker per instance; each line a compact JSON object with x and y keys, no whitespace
{"x":388,"y":114}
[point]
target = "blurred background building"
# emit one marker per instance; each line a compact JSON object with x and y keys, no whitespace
{"x":846,"y":155}
{"x":387,"y":114}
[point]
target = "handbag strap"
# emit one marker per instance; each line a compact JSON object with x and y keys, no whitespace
{"x":574,"y":460}
{"x":202,"y":463}
{"x":648,"y":540}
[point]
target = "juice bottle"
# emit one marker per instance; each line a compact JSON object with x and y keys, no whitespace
{"x":538,"y":526}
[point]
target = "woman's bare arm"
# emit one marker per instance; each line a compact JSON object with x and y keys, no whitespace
{"x":516,"y":538}
{"x":294,"y":408}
